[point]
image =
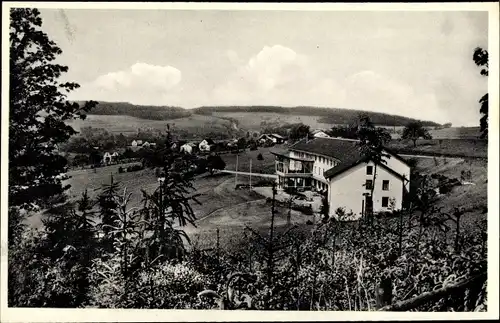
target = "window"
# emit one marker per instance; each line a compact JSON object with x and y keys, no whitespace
{"x":369,"y":170}
{"x":368,"y":184}
{"x":385,"y":201}
{"x":385,"y":185}
{"x":314,"y":169}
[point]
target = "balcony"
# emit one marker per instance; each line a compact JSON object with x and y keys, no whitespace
{"x":287,"y":166}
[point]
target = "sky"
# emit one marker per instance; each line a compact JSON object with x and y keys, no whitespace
{"x":415,"y":64}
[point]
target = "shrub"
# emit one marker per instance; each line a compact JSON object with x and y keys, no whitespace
{"x":306,"y":209}
{"x":135,"y":168}
{"x":259,"y":157}
{"x":264,"y":183}
{"x":163,"y":286}
{"x":120,"y":169}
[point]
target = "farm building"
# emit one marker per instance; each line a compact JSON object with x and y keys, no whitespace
{"x":188,"y":148}
{"x":337,"y":168}
{"x":278,"y":138}
{"x":320,"y":134}
{"x":206,"y":144}
{"x":136,"y":143}
{"x":109,"y":158}
{"x":274,"y":138}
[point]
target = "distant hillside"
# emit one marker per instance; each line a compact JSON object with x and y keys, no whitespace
{"x":323,"y":115}
{"x":327,"y":115}
{"x":147,"y":112}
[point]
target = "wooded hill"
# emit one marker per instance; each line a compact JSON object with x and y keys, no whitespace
{"x":326,"y":115}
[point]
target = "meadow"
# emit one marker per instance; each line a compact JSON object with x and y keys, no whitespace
{"x":261,"y":120}
{"x":196,"y":124}
{"x":443,"y":147}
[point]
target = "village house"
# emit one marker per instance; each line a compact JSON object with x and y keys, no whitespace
{"x":188,"y":148}
{"x":278,"y":139}
{"x":109,"y":158}
{"x":320,"y":134}
{"x":136,"y":143}
{"x":337,"y":168}
{"x":206,"y":144}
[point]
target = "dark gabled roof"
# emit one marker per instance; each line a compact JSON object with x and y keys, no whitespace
{"x":395,"y":155}
{"x":342,"y":167}
{"x":209,"y":141}
{"x":343,"y":150}
{"x":339,"y":169}
{"x":347,"y":151}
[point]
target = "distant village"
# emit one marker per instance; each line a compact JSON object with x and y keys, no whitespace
{"x":208,"y":145}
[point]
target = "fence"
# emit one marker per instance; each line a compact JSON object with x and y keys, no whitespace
{"x":465,"y":295}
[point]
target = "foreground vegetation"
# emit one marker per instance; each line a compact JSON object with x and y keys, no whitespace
{"x":102,"y":251}
{"x":328,"y":266}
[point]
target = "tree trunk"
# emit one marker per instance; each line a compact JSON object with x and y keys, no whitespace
{"x":457,"y":234}
{"x":400,"y":232}
{"x":371,"y":192}
{"x":414,"y":143}
{"x":420,"y":229}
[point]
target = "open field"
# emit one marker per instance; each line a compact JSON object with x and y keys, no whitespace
{"x":258,"y":121}
{"x":196,"y":124}
{"x":445,"y":147}
{"x":456,"y":133}
{"x":266,"y":166}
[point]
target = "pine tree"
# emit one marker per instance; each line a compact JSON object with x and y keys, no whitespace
{"x":107,"y":209}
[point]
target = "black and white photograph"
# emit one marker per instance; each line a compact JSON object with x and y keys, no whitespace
{"x":243,"y":157}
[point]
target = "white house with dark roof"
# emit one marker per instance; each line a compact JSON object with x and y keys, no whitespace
{"x":320,"y":134}
{"x":337,"y":168}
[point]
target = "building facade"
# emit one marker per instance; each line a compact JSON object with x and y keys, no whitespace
{"x":336,"y":168}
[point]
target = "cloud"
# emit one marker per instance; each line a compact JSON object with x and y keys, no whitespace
{"x":275,"y":75}
{"x":141,"y":83}
{"x":278,"y":75}
{"x":368,"y":90}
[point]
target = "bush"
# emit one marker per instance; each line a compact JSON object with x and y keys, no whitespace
{"x":165,"y":285}
{"x":134,"y":168}
{"x":264,"y":183}
{"x":120,"y":169}
{"x":306,"y":209}
{"x":259,"y":157}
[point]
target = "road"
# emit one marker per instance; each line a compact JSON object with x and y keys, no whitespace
{"x":427,"y":156}
{"x":248,"y":174}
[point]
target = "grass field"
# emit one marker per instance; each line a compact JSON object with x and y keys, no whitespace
{"x":258,"y":121}
{"x":266,"y":166}
{"x":197,"y":124}
{"x":449,"y":147}
{"x":456,"y":133}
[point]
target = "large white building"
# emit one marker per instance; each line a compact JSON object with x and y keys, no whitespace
{"x":336,"y":167}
